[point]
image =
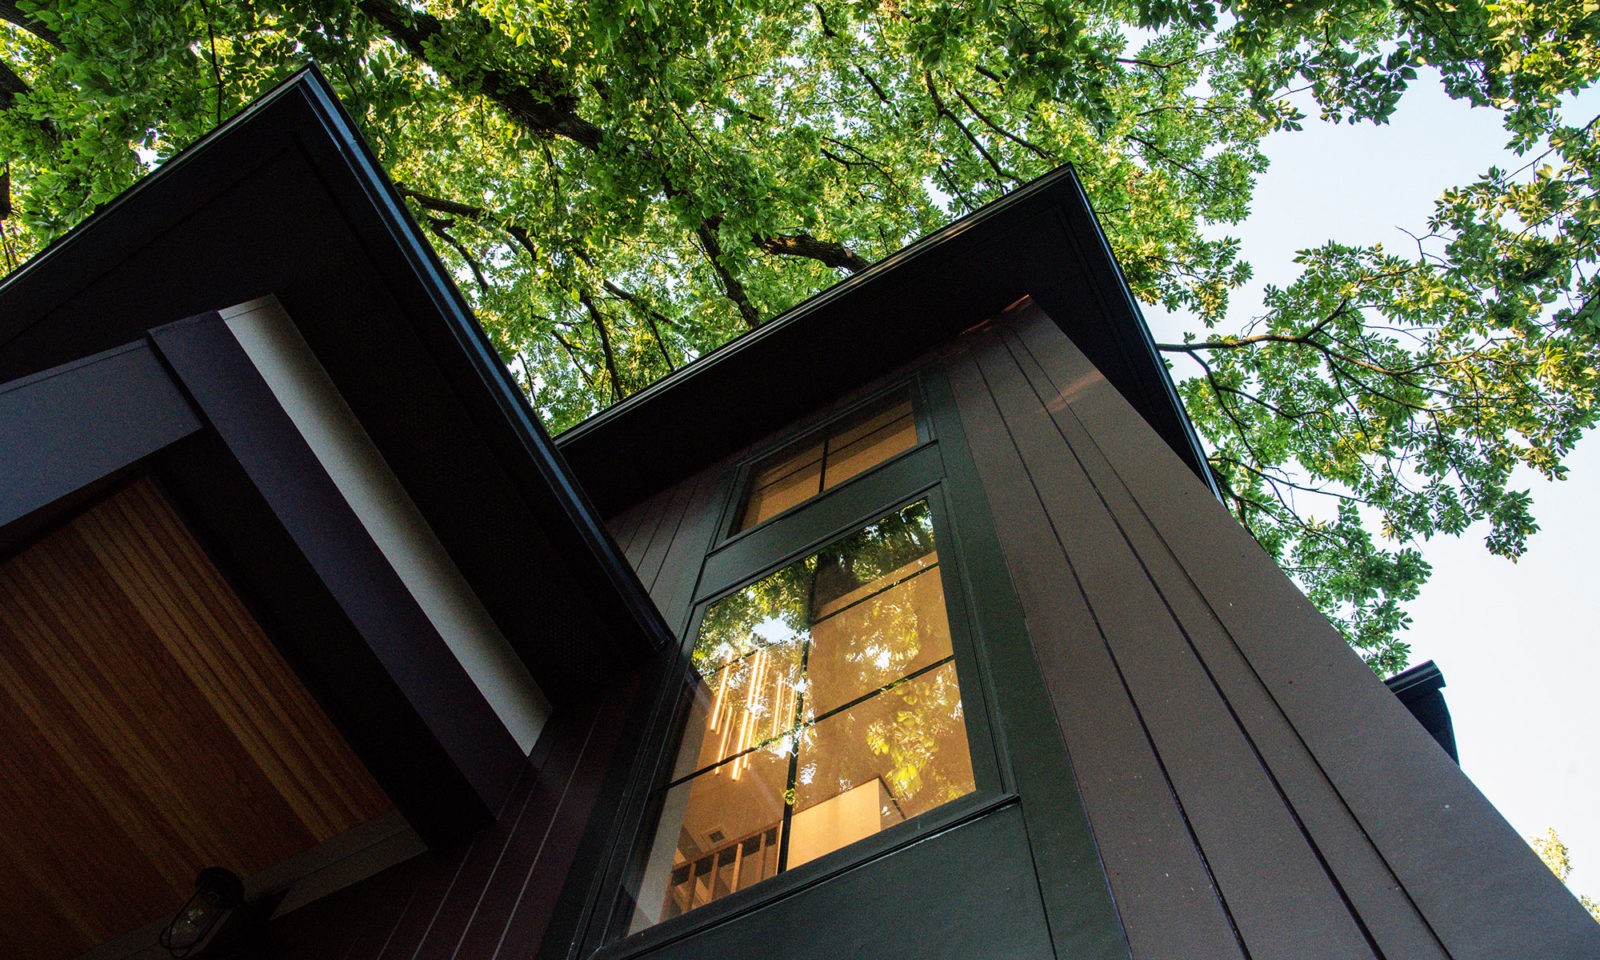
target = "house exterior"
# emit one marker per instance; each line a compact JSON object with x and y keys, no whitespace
{"x":908,"y":625}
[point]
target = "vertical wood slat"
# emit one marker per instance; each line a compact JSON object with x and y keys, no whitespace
{"x":675,"y":587}
{"x":1373,"y":892}
{"x":158,"y":728}
{"x":226,"y":675}
{"x":1163,"y":892}
{"x":667,"y":532}
{"x":495,"y":895}
{"x":1276,"y":891}
{"x":1473,"y":880}
{"x":685,"y":519}
{"x":649,"y":525}
{"x":624,"y":525}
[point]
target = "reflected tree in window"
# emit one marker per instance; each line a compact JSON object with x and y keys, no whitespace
{"x":825,"y":707}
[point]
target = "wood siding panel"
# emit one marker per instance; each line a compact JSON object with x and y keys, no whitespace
{"x":1163,"y":890}
{"x":1237,"y":817}
{"x":1472,"y":881}
{"x":673,"y":517}
{"x":650,"y":521}
{"x":624,"y":525}
{"x":157,"y":730}
{"x":689,"y":513}
{"x":1372,"y":892}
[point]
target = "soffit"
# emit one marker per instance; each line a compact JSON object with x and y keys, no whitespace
{"x":1041,"y":241}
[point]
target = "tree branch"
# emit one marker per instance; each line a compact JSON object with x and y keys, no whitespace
{"x":12,"y":14}
{"x":731,"y":287}
{"x":835,"y":255}
{"x":652,"y":316}
{"x":606,"y":352}
{"x":1036,"y":150}
{"x":216,"y":65}
{"x":572,"y":354}
{"x":865,"y":75}
{"x":944,"y":111}
{"x":13,"y":86}
{"x":547,"y":107}
{"x":543,"y":104}
{"x":441,"y":229}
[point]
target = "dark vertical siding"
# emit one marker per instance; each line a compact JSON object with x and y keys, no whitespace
{"x":1161,"y":885}
{"x":495,"y":896}
{"x":677,"y":525}
{"x":1254,"y":792}
{"x":1252,"y":787}
{"x":492,"y":896}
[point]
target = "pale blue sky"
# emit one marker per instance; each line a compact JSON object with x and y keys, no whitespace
{"x":1516,"y":642}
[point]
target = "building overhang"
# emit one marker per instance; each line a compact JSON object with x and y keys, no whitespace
{"x":1041,"y":241}
{"x":285,"y":200}
{"x":115,"y":363}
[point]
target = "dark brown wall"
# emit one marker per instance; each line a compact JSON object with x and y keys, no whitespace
{"x":1254,"y":790}
{"x":492,"y":896}
{"x":495,"y":896}
{"x":666,"y":538}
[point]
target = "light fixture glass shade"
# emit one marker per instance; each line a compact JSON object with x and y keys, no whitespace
{"x":217,"y":893}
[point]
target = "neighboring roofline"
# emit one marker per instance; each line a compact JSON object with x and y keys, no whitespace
{"x":1148,"y":339}
{"x":1422,"y":679}
{"x":1421,"y":690}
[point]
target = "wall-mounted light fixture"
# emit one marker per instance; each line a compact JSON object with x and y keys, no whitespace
{"x":217,"y":894}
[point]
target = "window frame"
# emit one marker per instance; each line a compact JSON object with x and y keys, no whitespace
{"x":744,"y":471}
{"x":735,"y":560}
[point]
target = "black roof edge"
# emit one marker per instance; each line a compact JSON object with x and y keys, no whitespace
{"x":904,"y":257}
{"x":1063,"y":179}
{"x":1419,"y":680}
{"x":1420,"y":691}
{"x":1146,"y":338}
{"x":493,"y":375}
{"x":287,"y":87}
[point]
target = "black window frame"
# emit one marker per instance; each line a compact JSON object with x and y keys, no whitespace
{"x":1019,"y":746}
{"x":736,"y":560}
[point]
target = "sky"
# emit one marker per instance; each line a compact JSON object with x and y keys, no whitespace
{"x":1515,"y":641}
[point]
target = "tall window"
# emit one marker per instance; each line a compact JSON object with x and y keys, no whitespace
{"x":825,"y":704}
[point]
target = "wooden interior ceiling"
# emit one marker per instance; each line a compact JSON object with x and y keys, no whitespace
{"x":149,"y":728}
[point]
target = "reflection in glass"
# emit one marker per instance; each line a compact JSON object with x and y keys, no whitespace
{"x":801,"y":471}
{"x":825,"y":708}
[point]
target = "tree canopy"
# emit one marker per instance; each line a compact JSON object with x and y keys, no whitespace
{"x":622,"y":185}
{"x":1555,"y":855}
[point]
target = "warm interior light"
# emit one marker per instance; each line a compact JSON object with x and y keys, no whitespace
{"x":217,"y":893}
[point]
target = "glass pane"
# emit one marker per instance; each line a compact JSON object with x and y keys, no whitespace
{"x":844,"y":655}
{"x":860,"y":564}
{"x":870,"y":420}
{"x":878,"y":640}
{"x":782,"y":493}
{"x":828,"y":457}
{"x":716,"y":816}
{"x":746,"y":702}
{"x":788,"y":462}
{"x":886,"y":759}
{"x":847,"y":460}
